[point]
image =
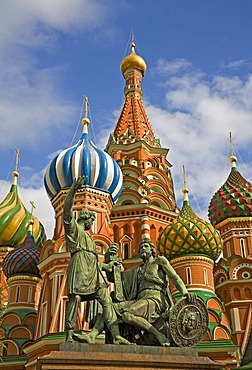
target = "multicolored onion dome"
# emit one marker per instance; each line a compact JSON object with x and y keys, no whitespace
{"x":14,"y":220}
{"x":23,"y":260}
{"x":189,"y":235}
{"x":233,"y":199}
{"x":133,"y":61}
{"x":84,"y":158}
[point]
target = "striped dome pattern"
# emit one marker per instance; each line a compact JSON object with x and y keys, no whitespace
{"x":233,"y":199}
{"x":22,"y":260}
{"x":84,"y":158}
{"x":189,"y":235}
{"x":14,"y":221}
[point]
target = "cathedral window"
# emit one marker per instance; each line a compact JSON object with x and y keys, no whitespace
{"x":188,"y":275}
{"x":125,"y":250}
{"x":30,"y":290}
{"x":17,"y":293}
{"x":94,"y":226}
{"x":243,"y":248}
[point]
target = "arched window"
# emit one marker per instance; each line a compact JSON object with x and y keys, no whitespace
{"x":17,"y":293}
{"x":243,"y":248}
{"x":30,"y":291}
{"x":205,"y":277}
{"x":188,"y":275}
{"x":126,"y":250}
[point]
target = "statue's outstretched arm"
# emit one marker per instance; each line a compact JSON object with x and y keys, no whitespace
{"x":68,"y":204}
{"x":176,"y":279}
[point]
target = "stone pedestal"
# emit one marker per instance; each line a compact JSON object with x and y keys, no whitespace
{"x":78,"y":356}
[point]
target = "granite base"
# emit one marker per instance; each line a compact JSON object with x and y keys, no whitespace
{"x":79,"y":356}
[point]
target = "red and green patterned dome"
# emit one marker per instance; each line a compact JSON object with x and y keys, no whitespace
{"x":24,"y":259}
{"x":14,"y":220}
{"x":233,"y":199}
{"x":189,"y":235}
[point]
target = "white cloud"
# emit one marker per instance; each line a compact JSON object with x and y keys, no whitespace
{"x":195,"y":122}
{"x":31,"y":102}
{"x":173,"y":66}
{"x":236,"y":64}
{"x":31,"y":23}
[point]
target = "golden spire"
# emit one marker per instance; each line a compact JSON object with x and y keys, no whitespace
{"x":85,"y":121}
{"x":232,"y":159}
{"x":185,"y":191}
{"x":15,"y":173}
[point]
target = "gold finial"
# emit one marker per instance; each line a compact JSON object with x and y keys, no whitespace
{"x":185,"y":191}
{"x":31,"y":221}
{"x":85,"y":121}
{"x":233,"y":159}
{"x":15,"y":173}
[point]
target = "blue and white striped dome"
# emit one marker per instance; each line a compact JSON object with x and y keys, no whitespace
{"x":84,"y":158}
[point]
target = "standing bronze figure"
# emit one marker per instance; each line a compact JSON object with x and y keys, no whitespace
{"x":84,"y":274}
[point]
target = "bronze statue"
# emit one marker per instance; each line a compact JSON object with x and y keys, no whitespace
{"x":84,"y":274}
{"x":147,"y":297}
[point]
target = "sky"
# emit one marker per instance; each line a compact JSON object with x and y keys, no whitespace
{"x":197,"y":87}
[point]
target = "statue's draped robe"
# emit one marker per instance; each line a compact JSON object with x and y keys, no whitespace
{"x":83,"y":273}
{"x":141,"y":284}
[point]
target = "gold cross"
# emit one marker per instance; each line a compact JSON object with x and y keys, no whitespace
{"x":86,"y":106}
{"x":17,"y":158}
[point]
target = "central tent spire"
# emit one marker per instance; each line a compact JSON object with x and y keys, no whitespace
{"x":133,"y":123}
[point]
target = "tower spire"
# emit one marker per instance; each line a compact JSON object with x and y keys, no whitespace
{"x":133,"y":123}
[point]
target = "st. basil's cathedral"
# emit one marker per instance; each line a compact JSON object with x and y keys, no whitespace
{"x":129,"y":186}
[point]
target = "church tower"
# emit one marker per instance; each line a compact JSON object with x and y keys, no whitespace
{"x":230,"y":210}
{"x":192,"y":245}
{"x":20,"y":267}
{"x":147,"y":202}
{"x":14,"y":224}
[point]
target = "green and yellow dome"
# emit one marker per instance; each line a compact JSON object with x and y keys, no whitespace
{"x":189,"y":235}
{"x":14,"y":220}
{"x":233,"y":199}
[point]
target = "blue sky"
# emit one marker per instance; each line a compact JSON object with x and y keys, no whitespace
{"x":197,"y":87}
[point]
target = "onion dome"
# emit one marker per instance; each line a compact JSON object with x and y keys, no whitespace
{"x":84,"y":159}
{"x":133,"y":61}
{"x":189,"y":235}
{"x":233,"y":199}
{"x":24,"y":259}
{"x":14,"y":220}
